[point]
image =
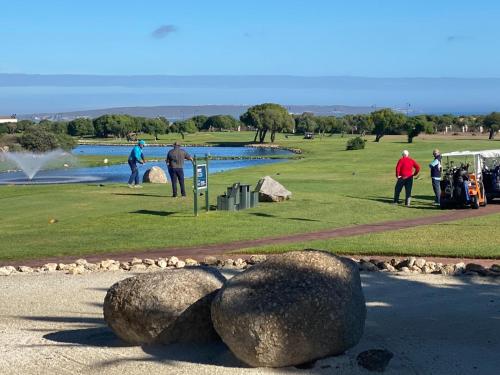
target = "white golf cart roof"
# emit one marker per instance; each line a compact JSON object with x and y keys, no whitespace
{"x":484,"y":153}
{"x":478,"y":156}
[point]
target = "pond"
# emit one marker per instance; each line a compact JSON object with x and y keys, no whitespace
{"x":120,"y":172}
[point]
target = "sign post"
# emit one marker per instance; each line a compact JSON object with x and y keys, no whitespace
{"x":200,"y":181}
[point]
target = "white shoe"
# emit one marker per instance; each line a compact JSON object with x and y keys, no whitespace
{"x":130,"y":186}
{"x":138,"y":186}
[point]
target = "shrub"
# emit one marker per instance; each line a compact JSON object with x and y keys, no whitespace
{"x":37,"y":139}
{"x":356,"y":143}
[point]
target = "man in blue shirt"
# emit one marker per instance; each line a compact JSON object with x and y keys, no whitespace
{"x":435,"y":167}
{"x":136,"y":156}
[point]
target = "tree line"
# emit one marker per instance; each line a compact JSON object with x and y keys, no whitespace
{"x":265,"y":119}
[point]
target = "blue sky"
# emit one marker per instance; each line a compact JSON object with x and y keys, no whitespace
{"x":441,"y":38}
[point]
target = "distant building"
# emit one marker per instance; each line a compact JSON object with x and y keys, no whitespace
{"x":7,"y":119}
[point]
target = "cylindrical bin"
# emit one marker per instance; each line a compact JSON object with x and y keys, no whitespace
{"x":244,"y":197}
{"x":225,"y":203}
{"x":254,"y":198}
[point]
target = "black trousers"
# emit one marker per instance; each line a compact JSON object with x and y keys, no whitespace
{"x":408,"y":184}
{"x":177,"y":174}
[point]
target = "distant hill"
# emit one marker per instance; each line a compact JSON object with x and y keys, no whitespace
{"x":182,"y":112}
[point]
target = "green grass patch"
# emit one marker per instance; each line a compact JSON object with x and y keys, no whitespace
{"x":331,"y":188}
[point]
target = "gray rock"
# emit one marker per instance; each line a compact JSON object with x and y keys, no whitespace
{"x":291,"y":309}
{"x":420,"y":262}
{"x":271,"y":190}
{"x":162,"y":263}
{"x":125,"y":266}
{"x":448,"y":269}
{"x":405,"y":270}
{"x":25,"y":269}
{"x":81,"y":262}
{"x":148,"y":262}
{"x":135,"y":261}
{"x":473,"y":267}
{"x":367,"y":266}
{"x":105,"y":264}
{"x":257,"y":258}
{"x":173,"y":261}
{"x":164,"y":307}
{"x":91,"y":266}
{"x":138,"y":267}
{"x":50,"y":267}
{"x":6,"y":271}
{"x":459,"y":268}
{"x":387,"y":266}
{"x":495,"y":268}
{"x":375,"y":359}
{"x":180,"y":264}
{"x":155,"y":175}
{"x":210,"y":260}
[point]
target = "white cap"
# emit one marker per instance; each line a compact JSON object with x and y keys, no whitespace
{"x":405,"y":153}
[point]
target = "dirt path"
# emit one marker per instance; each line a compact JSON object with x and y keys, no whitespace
{"x":199,"y":251}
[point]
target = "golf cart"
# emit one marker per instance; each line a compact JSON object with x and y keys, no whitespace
{"x":461,"y":183}
{"x":491,"y":173}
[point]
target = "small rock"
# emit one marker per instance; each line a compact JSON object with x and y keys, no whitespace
{"x":367,"y":266}
{"x":77,"y":270}
{"x":228,"y":263}
{"x":153,"y":268}
{"x":257,"y":258}
{"x":405,"y":270}
{"x":375,"y":359}
{"x":473,"y":267}
{"x":459,"y":268}
{"x":427,"y":269}
{"x":180,"y":264}
{"x":114,"y":267}
{"x":162,"y":263}
{"x":62,"y":267}
{"x":25,"y":269}
{"x":395,"y":262}
{"x":415,"y":269}
{"x":148,"y":262}
{"x":387,"y":266}
{"x":420,"y":262}
{"x":210,"y":260}
{"x":6,"y":271}
{"x":81,"y":262}
{"x":173,"y":261}
{"x":495,"y":268}
{"x":135,"y":261}
{"x":191,"y":262}
{"x":125,"y":266}
{"x":91,"y":266}
{"x":50,"y":267}
{"x":105,"y":264}
{"x":240,"y":263}
{"x":448,"y":269}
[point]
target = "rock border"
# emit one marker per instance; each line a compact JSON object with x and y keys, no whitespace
{"x":409,"y":265}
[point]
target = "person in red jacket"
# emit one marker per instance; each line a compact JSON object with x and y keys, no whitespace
{"x":406,"y":169}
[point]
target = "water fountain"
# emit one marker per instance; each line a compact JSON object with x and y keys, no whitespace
{"x":31,"y":163}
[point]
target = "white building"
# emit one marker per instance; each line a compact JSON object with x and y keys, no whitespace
{"x":6,"y":119}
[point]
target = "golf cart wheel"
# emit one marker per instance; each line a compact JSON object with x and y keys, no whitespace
{"x":475,"y":202}
{"x":442,"y":204}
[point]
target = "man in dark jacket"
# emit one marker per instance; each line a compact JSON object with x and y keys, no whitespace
{"x":406,"y":169}
{"x":435,"y":167}
{"x":175,"y":162}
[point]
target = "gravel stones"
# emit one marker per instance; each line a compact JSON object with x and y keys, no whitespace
{"x":167,"y":306}
{"x":291,"y":309}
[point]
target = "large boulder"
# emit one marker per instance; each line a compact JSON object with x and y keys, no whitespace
{"x":164,"y":307}
{"x":155,"y":175}
{"x":271,"y":190}
{"x":291,"y":309}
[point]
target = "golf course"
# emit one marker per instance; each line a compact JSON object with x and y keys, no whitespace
{"x":331,"y":187}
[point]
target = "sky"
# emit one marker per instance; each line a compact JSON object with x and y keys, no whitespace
{"x":426,"y":38}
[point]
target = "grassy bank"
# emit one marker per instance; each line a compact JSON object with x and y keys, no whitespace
{"x":331,"y":188}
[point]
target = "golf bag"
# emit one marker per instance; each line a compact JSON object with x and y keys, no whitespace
{"x":454,"y":186}
{"x":491,"y":180}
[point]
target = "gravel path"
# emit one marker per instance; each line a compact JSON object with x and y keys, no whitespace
{"x":52,"y":324}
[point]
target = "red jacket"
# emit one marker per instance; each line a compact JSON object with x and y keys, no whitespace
{"x":405,"y":167}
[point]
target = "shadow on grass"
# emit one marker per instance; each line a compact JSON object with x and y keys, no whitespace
{"x":262,"y":214}
{"x":142,"y":195}
{"x":415,"y":205}
{"x":151,"y":212}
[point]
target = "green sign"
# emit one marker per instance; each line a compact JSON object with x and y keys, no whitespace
{"x":200,"y":181}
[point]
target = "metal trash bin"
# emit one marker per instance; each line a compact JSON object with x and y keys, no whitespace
{"x":254,"y":198}
{"x":233,"y":192}
{"x":244,"y":193}
{"x":225,"y":203}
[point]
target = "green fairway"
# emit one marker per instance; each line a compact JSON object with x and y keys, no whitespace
{"x":331,"y":188}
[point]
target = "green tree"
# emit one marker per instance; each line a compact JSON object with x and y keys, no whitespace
{"x":36,"y":139}
{"x":221,"y":122}
{"x":267,"y":117}
{"x":80,"y":127}
{"x":154,"y":126}
{"x":385,"y":121}
{"x":416,"y":125}
{"x":492,"y":123}
{"x":200,"y":121}
{"x":115,"y":125}
{"x":184,"y":126}
{"x":306,"y":123}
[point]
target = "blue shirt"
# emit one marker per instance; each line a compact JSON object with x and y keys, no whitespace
{"x":136,"y":154}
{"x":435,"y":167}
